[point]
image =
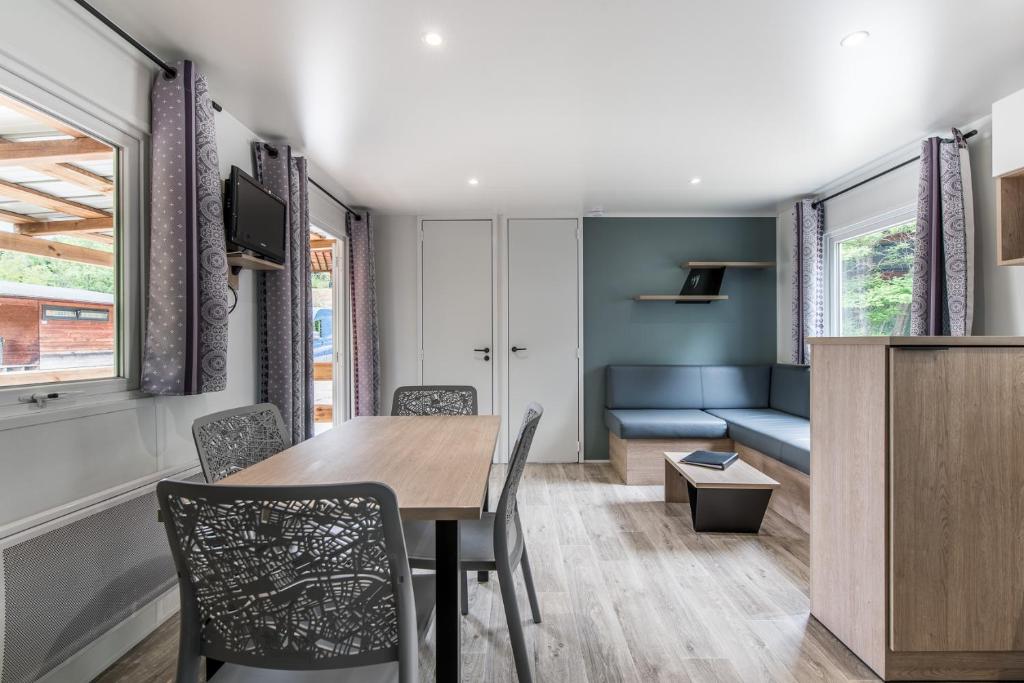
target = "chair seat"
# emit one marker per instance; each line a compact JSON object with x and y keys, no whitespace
{"x":423,"y":586}
{"x":378,"y":673}
{"x":476,"y":543}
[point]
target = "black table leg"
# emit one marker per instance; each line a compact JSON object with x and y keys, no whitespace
{"x":448,"y":623}
{"x":212,"y":665}
{"x":728,"y":510}
{"x":482,"y":577}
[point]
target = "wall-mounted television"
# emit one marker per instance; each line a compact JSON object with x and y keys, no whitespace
{"x":255,"y":218}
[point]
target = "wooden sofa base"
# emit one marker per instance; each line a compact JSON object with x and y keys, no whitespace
{"x":792,"y":500}
{"x":642,"y":462}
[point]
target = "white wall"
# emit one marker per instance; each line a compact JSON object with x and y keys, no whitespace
{"x":999,"y":290}
{"x":395,"y":242}
{"x":784,"y":270}
{"x":50,"y":465}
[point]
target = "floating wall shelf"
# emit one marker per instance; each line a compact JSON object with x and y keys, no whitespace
{"x":753,"y":265}
{"x":706,"y":277}
{"x":681,"y":298}
{"x":238,"y":260}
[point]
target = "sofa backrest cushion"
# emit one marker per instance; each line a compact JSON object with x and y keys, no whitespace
{"x":735,"y":386}
{"x":791,"y":389}
{"x":670,"y":387}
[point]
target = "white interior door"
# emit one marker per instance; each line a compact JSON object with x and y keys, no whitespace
{"x":456,"y":315}
{"x":543,"y":333}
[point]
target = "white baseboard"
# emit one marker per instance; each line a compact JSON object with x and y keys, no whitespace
{"x":94,"y":658}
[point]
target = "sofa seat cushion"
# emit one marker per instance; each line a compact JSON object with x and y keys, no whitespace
{"x":664,"y":424}
{"x":782,"y":436}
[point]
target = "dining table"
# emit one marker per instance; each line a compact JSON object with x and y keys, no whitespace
{"x":437,"y":465}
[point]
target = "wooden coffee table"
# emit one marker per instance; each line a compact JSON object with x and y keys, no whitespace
{"x":730,"y":500}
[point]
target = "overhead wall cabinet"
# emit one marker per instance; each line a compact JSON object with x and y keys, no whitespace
{"x":1008,"y":169}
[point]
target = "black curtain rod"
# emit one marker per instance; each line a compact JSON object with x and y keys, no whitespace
{"x":168,"y":70}
{"x":272,"y":151}
{"x":337,"y":201}
{"x":816,"y":204}
{"x":171,"y":72}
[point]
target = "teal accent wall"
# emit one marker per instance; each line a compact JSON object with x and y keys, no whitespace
{"x":623,"y":257}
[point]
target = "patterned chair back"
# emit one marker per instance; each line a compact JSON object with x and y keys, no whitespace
{"x":231,"y":440}
{"x":292,"y":577}
{"x":508,"y":531}
{"x":434,"y":400}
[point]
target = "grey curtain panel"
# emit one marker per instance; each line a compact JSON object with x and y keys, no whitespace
{"x":942,"y":300}
{"x":363,"y":295}
{"x":284,"y":326}
{"x":186,"y":345}
{"x":808,"y":277}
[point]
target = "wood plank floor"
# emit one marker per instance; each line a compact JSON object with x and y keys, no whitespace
{"x":628,"y":593}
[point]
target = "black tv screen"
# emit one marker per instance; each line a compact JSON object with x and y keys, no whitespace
{"x":255,"y":217}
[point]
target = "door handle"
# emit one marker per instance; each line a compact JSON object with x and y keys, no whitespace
{"x":486,"y":349}
{"x":518,"y":348}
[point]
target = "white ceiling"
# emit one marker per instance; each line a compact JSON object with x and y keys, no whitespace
{"x":567,"y":105}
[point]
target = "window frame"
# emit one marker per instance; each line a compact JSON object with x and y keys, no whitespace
{"x":834,"y":238}
{"x":129,"y":250}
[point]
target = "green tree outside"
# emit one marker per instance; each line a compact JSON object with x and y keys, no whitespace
{"x":39,"y":270}
{"x":875,"y":282}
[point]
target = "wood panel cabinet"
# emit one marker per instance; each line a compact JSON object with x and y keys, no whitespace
{"x":1008,"y":169}
{"x":917,"y":503}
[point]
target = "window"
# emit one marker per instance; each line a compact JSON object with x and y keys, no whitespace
{"x":322,"y":257}
{"x":870,"y":283}
{"x":69,"y":274}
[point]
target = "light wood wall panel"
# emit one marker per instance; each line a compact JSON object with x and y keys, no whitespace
{"x":848,"y":496}
{"x":792,"y":499}
{"x":642,"y":461}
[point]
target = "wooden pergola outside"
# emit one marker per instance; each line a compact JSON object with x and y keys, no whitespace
{"x":54,"y":180}
{"x":47,"y":187}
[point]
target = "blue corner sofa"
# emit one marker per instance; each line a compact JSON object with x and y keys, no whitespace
{"x":762,"y":411}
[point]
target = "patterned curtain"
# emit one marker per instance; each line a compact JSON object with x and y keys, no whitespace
{"x":285,"y":299}
{"x":187,"y":309}
{"x":943,"y":284}
{"x":808,"y":278}
{"x":363,"y":294}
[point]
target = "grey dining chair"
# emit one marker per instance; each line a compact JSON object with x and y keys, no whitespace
{"x":434,"y":400}
{"x":493,"y":543}
{"x":231,"y":440}
{"x":312,"y":580}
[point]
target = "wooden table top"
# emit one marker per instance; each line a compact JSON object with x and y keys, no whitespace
{"x":738,"y":475}
{"x":438,"y":466}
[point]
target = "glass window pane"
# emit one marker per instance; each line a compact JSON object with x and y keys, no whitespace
{"x":322,"y":259}
{"x":57,"y":306}
{"x":875,"y":282}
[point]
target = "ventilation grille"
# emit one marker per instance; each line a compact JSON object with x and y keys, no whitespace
{"x":68,"y":586}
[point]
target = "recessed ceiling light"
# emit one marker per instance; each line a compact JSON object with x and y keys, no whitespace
{"x":854,"y":39}
{"x":433,"y":39}
{"x":695,"y":181}
{"x":473,"y":181}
